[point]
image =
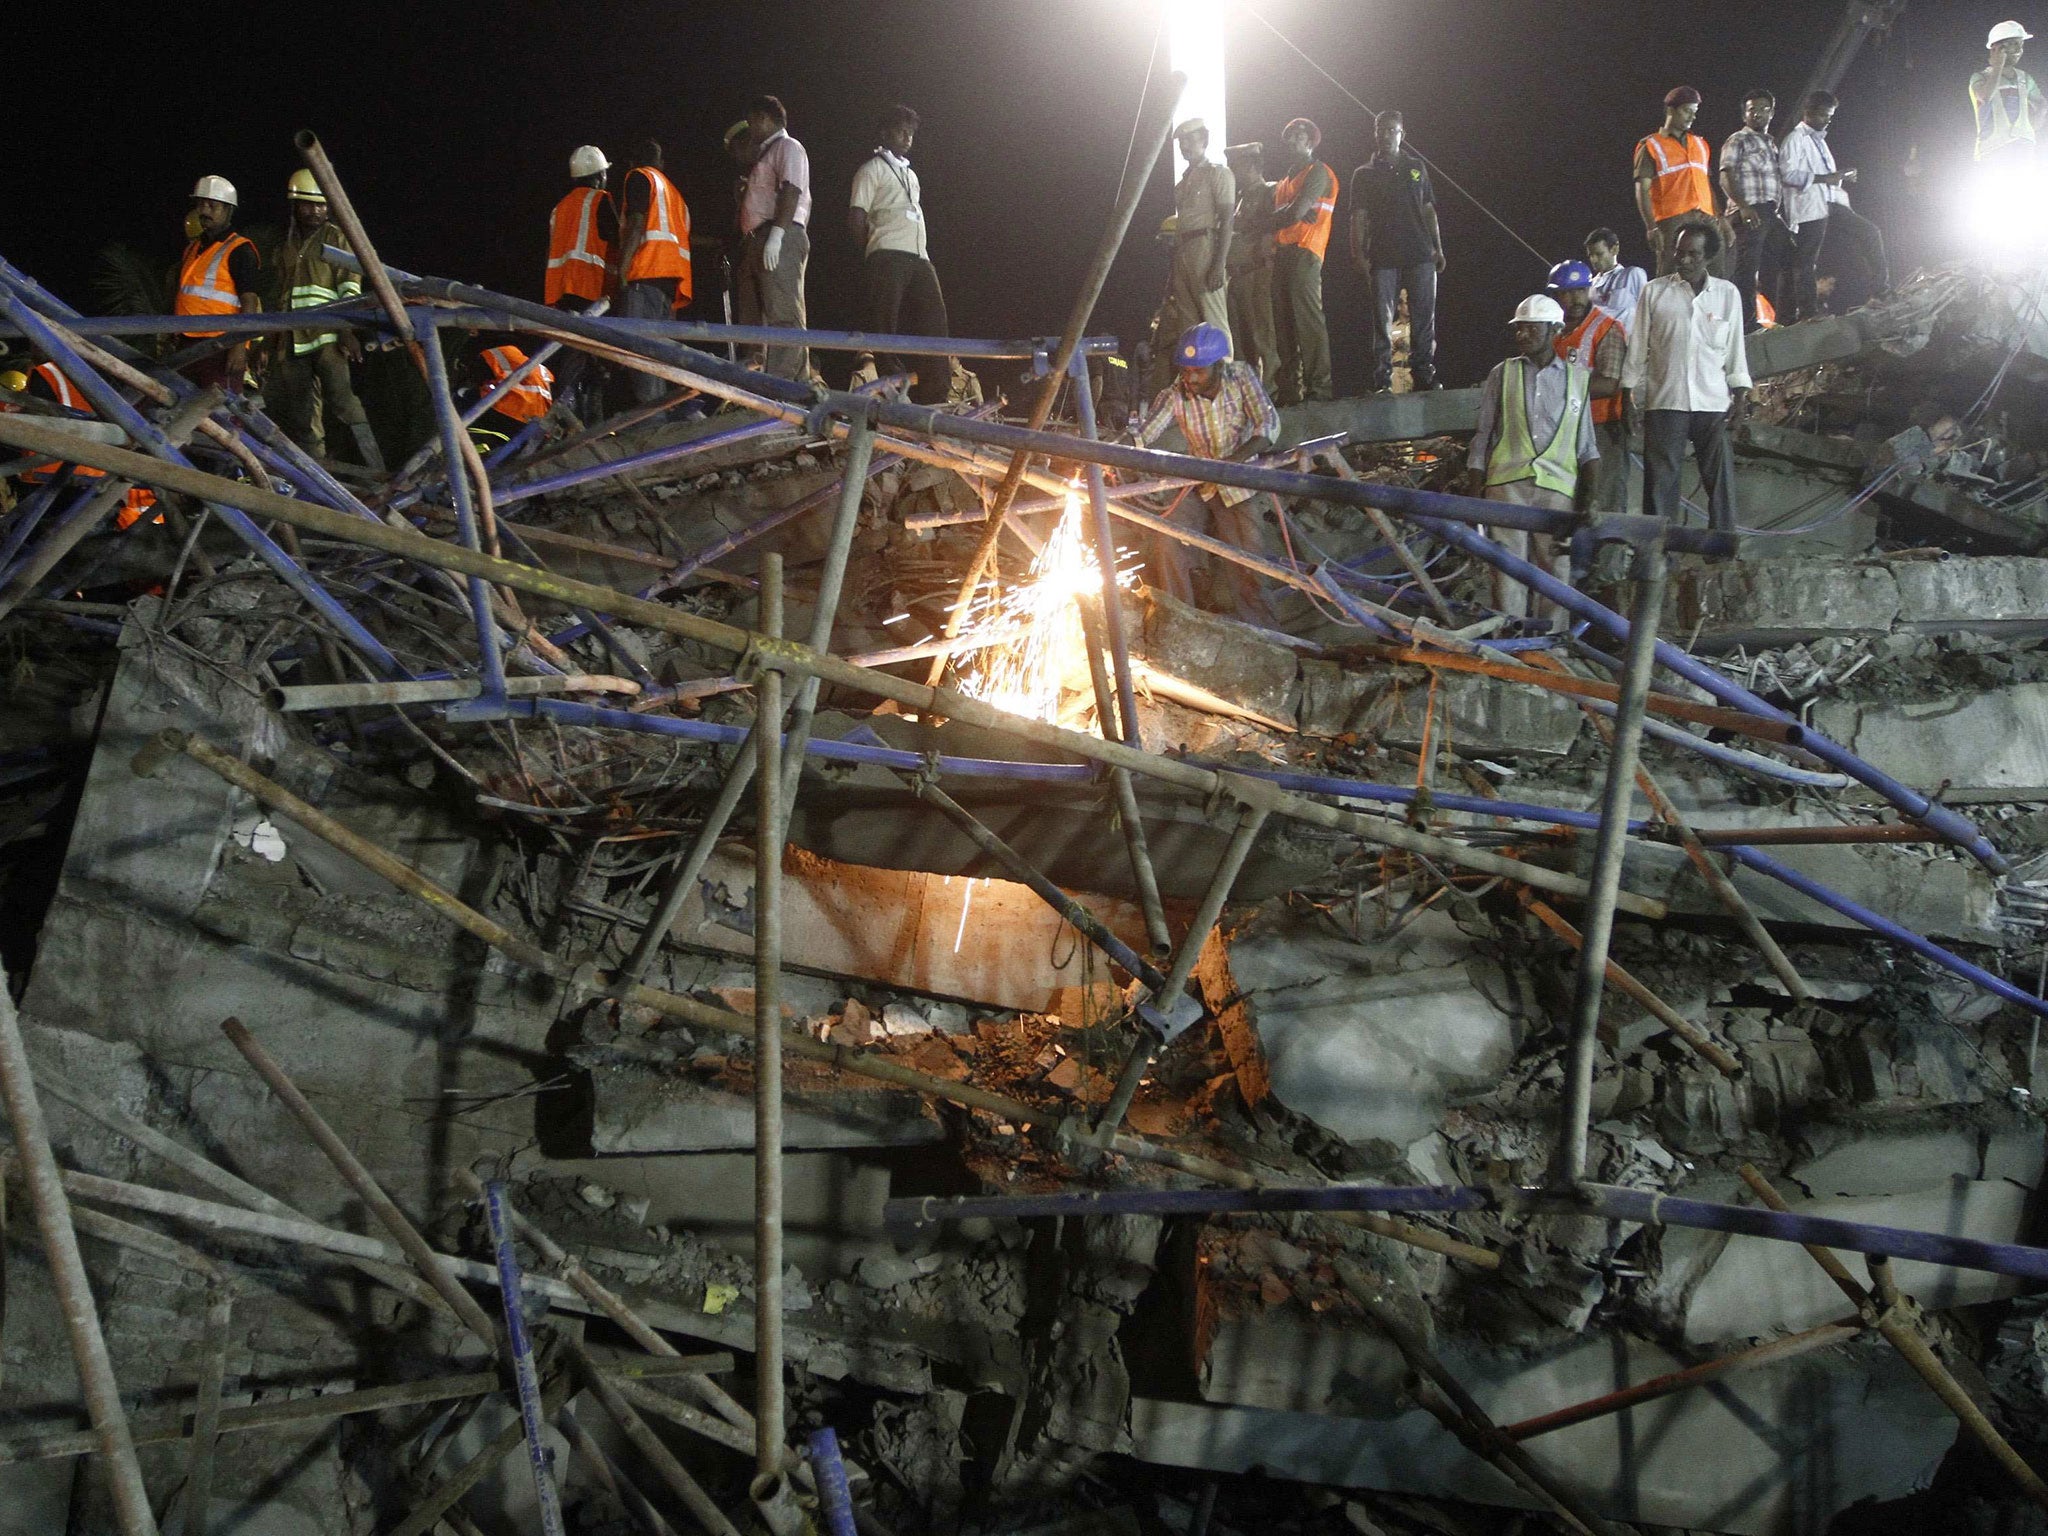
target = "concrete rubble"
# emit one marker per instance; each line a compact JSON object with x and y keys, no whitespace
{"x":1370,"y":1012}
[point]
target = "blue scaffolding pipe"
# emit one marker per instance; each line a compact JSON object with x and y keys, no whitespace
{"x":532,"y":1419}
{"x":1646,"y":1206}
{"x":1915,"y":805}
{"x":492,"y":662}
{"x":27,"y":513}
{"x":114,"y":407}
{"x":544,"y":485}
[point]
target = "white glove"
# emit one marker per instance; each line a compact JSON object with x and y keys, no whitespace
{"x":771,"y":251}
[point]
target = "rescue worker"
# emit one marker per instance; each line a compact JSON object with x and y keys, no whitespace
{"x":1597,"y":342}
{"x":1251,"y":262}
{"x":2008,"y":107}
{"x":308,"y":376}
{"x":1674,"y":187}
{"x":1204,"y":204}
{"x":47,"y":382}
{"x":900,"y":290}
{"x":1615,"y":287}
{"x":1398,"y":244}
{"x":528,"y":400}
{"x":583,"y":236}
{"x":1304,"y":208}
{"x":654,"y":253}
{"x":217,"y":275}
{"x":1535,"y":444}
{"x":775,"y":220}
{"x":1224,"y":414}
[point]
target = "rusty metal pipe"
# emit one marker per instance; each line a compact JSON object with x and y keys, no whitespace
{"x":769,"y":820}
{"x":344,"y":212}
{"x":297,"y":699}
{"x":112,"y":1435}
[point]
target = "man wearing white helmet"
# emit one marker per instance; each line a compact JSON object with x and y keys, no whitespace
{"x":1686,"y":381}
{"x":217,"y":275}
{"x":2008,"y":106}
{"x":583,"y":243}
{"x":308,"y":377}
{"x":1535,"y":446}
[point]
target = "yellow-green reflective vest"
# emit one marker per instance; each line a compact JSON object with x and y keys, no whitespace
{"x":1996,"y":126}
{"x":1514,"y":455}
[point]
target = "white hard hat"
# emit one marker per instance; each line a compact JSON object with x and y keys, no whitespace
{"x":218,"y":188}
{"x":1539,"y":309}
{"x":2008,"y":32}
{"x":588,"y":161}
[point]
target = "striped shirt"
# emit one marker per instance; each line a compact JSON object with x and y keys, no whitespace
{"x":1216,"y":426}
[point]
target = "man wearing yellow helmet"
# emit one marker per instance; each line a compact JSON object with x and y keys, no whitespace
{"x":309,"y":373}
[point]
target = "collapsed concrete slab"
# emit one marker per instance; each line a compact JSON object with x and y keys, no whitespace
{"x":1768,"y":603}
{"x":1993,"y":744}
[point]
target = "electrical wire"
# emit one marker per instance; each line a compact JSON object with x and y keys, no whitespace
{"x":1438,"y":171}
{"x":1138,"y":118}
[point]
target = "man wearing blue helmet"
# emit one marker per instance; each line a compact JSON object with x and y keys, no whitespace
{"x":1597,"y":342}
{"x":1224,"y":413}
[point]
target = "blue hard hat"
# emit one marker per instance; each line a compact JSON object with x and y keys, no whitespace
{"x":1201,"y":345}
{"x":1570,"y":274}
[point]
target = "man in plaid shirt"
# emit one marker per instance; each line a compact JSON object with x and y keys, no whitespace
{"x":1223,"y":413}
{"x":1750,"y":181}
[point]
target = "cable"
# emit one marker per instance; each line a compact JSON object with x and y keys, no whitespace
{"x":1137,"y":119}
{"x":1445,"y":176}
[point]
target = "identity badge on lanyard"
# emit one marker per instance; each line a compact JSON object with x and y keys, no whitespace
{"x":910,"y":209}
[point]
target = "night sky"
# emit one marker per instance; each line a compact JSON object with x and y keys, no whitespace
{"x":451,"y":126}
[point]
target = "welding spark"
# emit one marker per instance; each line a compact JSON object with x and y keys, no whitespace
{"x":1029,"y":675}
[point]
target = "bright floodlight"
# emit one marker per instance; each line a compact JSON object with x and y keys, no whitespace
{"x":2006,"y":208}
{"x":1195,"y":48}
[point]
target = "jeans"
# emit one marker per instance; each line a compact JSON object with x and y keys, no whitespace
{"x":1866,"y":243}
{"x":652,"y":298}
{"x":1666,"y":435}
{"x":776,"y":298}
{"x":900,"y":296}
{"x":1420,"y":283}
{"x":571,"y":363}
{"x":1304,"y":335}
{"x":1800,"y":300}
{"x":1759,"y":256}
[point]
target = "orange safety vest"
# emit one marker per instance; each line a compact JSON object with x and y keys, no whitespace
{"x":205,"y":286}
{"x":664,"y":248}
{"x":1314,"y":231}
{"x":140,"y":498}
{"x":579,"y":256}
{"x":1582,"y":345}
{"x":1682,"y":184}
{"x":532,"y":396}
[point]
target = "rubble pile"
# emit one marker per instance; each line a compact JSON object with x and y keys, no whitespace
{"x":1381,"y":997}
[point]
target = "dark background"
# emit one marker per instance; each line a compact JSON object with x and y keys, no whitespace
{"x":451,"y":125}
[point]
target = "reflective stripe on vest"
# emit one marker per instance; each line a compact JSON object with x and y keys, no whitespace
{"x":1313,"y":232}
{"x":2004,"y":127}
{"x":1682,"y":184}
{"x":67,"y":396}
{"x":531,"y":396}
{"x":664,"y":248}
{"x":205,"y":285}
{"x":578,"y":254}
{"x":1514,"y":455}
{"x":1582,"y":346}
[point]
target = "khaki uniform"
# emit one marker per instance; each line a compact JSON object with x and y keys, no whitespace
{"x":1203,"y":205}
{"x":1251,"y":280}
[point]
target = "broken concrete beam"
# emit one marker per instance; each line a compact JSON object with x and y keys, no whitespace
{"x":1991,"y":745}
{"x":639,"y":1113}
{"x":1472,"y":713}
{"x":1383,"y":418}
{"x":1725,"y":1288}
{"x":1828,"y":339}
{"x":1219,"y":654}
{"x":1370,"y":1041}
{"x":1769,"y":603}
{"x":1844,"y":1425}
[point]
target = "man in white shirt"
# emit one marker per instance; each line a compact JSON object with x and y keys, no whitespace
{"x":1687,"y":381}
{"x":1806,"y":167}
{"x":775,"y":219}
{"x":900,"y":293}
{"x":1616,"y":288}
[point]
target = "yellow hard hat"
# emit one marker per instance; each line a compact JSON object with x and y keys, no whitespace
{"x":14,"y":379}
{"x":305,"y":189}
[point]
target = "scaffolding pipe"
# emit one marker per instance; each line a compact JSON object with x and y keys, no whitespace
{"x":511,"y":1293}
{"x":769,"y":1413}
{"x":1092,"y":284}
{"x":1170,"y":1012}
{"x":358,"y":238}
{"x":112,"y":1435}
{"x":298,"y":698}
{"x":1136,"y":844}
{"x":649,"y":1445}
{"x":490,"y":660}
{"x":1568,"y":1165}
{"x":544,"y":485}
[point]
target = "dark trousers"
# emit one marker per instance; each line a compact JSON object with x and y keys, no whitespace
{"x":1388,"y":283}
{"x":571,"y":363}
{"x":1759,"y":255}
{"x":900,"y":295}
{"x":1799,"y":299}
{"x":1866,"y":243}
{"x":1666,"y":436}
{"x":1304,"y":335}
{"x":649,"y":299}
{"x":305,"y":387}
